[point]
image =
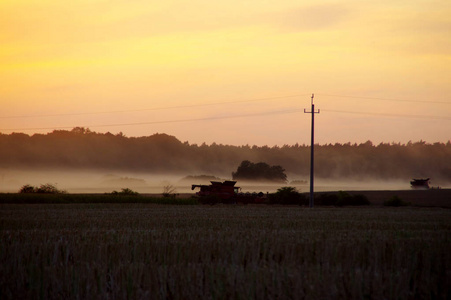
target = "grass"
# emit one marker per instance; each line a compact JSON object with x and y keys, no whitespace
{"x":223,"y":252}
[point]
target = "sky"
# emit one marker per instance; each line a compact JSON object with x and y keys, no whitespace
{"x":229,"y":72}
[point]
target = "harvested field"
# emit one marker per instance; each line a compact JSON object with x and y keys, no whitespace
{"x":224,"y":252}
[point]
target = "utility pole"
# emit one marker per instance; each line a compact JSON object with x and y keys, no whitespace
{"x":311,"y":150}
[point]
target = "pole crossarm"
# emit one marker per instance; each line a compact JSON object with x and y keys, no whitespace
{"x":309,"y":112}
{"x":313,"y":112}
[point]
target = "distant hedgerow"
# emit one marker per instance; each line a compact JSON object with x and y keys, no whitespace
{"x":341,"y":199}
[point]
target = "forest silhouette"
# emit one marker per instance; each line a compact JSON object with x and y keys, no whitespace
{"x":83,"y":149}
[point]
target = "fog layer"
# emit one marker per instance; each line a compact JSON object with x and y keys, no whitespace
{"x":85,"y":161}
{"x":98,"y":182}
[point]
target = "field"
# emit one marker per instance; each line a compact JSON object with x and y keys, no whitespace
{"x":135,"y":251}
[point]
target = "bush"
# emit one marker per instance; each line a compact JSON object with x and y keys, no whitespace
{"x":359,"y":200}
{"x":48,"y":189}
{"x":42,"y":189}
{"x":125,"y":192}
{"x":326,"y":199}
{"x":26,"y":189}
{"x":287,"y":195}
{"x":396,"y":202}
{"x":169,"y":191}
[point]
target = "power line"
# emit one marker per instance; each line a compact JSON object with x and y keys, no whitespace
{"x":150,"y":109}
{"x":268,"y":113}
{"x":384,"y":99}
{"x":212,"y":104}
{"x":162,"y":122}
{"x":389,"y":115}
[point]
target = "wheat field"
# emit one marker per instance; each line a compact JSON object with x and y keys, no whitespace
{"x":148,"y":251}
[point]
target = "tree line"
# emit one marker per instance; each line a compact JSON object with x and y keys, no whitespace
{"x":81,"y":148}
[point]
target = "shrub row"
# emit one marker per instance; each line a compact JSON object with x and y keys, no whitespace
{"x":290,"y":196}
{"x":35,"y":198}
{"x":42,"y":189}
{"x":396,"y":202}
{"x":341,"y":199}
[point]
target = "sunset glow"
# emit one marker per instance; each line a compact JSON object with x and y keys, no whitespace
{"x":230,"y":72}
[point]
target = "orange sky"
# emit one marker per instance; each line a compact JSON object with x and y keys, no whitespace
{"x":173,"y":66}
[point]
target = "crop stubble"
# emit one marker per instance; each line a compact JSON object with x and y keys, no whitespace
{"x":221,"y":252}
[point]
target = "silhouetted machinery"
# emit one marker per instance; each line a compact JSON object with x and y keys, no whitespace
{"x":225,"y":192}
{"x":420,"y":184}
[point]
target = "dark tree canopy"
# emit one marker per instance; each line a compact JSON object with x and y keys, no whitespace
{"x":82,"y":149}
{"x":259,"y":171}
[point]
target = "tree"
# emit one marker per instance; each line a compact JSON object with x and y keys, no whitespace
{"x":81,"y":130}
{"x":259,"y":171}
{"x":288,"y":195}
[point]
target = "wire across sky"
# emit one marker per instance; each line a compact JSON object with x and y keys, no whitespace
{"x":234,"y":102}
{"x":246,"y":115}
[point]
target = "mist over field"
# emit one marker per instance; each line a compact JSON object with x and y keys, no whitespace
{"x":81,"y":161}
{"x":100,"y":182}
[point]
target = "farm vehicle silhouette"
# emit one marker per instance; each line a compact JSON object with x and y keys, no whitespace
{"x":225,"y":192}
